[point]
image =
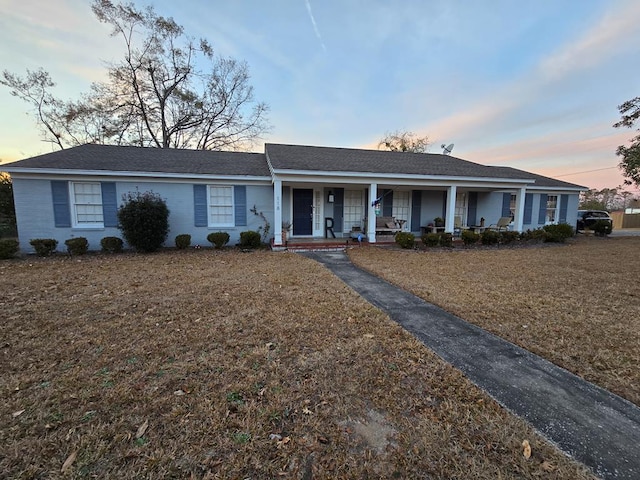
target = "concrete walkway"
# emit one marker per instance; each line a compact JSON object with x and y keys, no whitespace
{"x":588,"y":423}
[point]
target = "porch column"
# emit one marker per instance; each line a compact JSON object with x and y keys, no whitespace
{"x":449,"y":221}
{"x":371,"y":216}
{"x":277,"y":212}
{"x":518,"y":218}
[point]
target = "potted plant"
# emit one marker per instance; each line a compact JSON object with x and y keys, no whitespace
{"x":439,"y":221}
{"x":286,"y":227}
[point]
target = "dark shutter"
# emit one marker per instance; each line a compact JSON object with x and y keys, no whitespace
{"x":240,"y":202}
{"x":338,"y":209}
{"x":564,"y":204}
{"x":506,"y":205}
{"x":472,"y":211}
{"x":109,"y":204}
{"x":416,"y":206}
{"x":528,"y":208}
{"x":387,"y":203}
{"x":200,"y":205}
{"x":542,"y":214}
{"x":60,"y":197}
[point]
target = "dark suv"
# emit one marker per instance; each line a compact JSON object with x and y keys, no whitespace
{"x":587,"y":218}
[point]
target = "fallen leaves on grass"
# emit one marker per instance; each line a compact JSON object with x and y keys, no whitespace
{"x":142,"y":429}
{"x":526,"y":449}
{"x":66,"y":466}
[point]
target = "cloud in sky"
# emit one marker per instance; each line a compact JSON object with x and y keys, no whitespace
{"x":315,"y":25}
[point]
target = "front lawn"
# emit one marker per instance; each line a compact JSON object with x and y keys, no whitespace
{"x":205,"y":364}
{"x":577,"y":305}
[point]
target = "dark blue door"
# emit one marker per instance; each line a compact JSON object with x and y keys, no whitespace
{"x":302,"y":211}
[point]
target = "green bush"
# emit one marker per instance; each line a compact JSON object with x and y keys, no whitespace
{"x":250,"y":239}
{"x":431,"y":239}
{"x":534,"y":236}
{"x":44,"y":246}
{"x":507,"y":237}
{"x":489,"y":237}
{"x":558,"y":233}
{"x":77,"y":246}
{"x":469,"y":237}
{"x":405,"y":239}
{"x":602,"y":228}
{"x":144,"y":220}
{"x":218,"y":239}
{"x":445,"y":239}
{"x":183,"y":241}
{"x":111,"y":244}
{"x":8,"y":248}
{"x":8,"y":230}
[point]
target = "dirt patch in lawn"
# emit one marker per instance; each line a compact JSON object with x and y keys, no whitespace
{"x":578,"y":305}
{"x":204,"y":364}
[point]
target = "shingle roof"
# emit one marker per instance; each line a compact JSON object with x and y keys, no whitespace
{"x":281,"y":157}
{"x":298,"y":157}
{"x":541,"y":180}
{"x":301,"y":158}
{"x":149,"y":160}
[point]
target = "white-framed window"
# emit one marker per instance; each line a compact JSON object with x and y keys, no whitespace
{"x":512,"y":206}
{"x":86,"y":204}
{"x":353,"y":210}
{"x":552,"y":208}
{"x":400,"y":209}
{"x":461,"y":208}
{"x":220,"y":205}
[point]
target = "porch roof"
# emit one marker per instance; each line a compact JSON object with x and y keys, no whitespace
{"x":308,"y":159}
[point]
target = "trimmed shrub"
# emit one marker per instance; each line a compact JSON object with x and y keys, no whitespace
{"x":405,"y":239}
{"x":44,"y":246}
{"x":77,"y":246}
{"x":534,"y":236}
{"x":183,"y":241}
{"x":445,"y":239}
{"x":431,"y":239}
{"x":8,"y":230}
{"x":469,"y":237}
{"x":218,"y":239}
{"x":8,"y":248}
{"x":111,"y":244}
{"x":508,"y":237}
{"x":144,"y":220}
{"x":250,"y":239}
{"x":558,"y":233}
{"x":489,"y":237}
{"x":602,"y":228}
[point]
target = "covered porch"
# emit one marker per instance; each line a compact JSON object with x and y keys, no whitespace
{"x":341,"y":209}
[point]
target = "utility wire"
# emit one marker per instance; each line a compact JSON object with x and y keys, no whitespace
{"x":585,"y":171}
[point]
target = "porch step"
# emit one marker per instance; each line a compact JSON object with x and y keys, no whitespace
{"x":316,"y":246}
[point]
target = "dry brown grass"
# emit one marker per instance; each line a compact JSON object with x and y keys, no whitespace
{"x":207,"y":364}
{"x":578,"y":305}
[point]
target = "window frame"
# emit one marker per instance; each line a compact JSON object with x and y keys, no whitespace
{"x":548,"y":220}
{"x":211,"y":206}
{"x":74,"y":206}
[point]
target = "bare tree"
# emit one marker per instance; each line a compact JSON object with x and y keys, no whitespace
{"x":168,"y":91}
{"x":404,"y":142}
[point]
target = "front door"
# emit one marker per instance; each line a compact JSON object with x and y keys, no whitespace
{"x":302,"y":211}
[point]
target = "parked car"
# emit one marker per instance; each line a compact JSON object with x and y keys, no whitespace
{"x":587,"y":218}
